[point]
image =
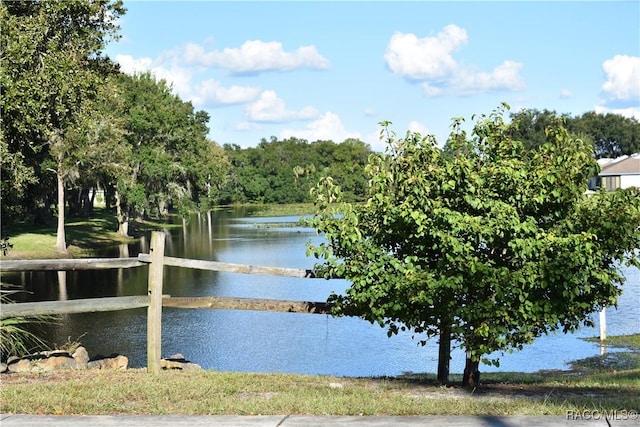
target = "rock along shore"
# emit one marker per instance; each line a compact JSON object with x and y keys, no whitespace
{"x":57,"y":360}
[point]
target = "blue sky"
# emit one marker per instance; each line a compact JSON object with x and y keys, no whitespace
{"x":333,"y":70}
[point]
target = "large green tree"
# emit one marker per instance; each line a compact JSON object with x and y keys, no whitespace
{"x":283,"y":171}
{"x":52,"y":64}
{"x":100,"y":154}
{"x":529,"y":126}
{"x":488,"y":243}
{"x":172,"y":164}
{"x":612,"y":135}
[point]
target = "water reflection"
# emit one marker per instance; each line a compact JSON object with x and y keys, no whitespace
{"x":62,"y":285}
{"x":271,"y":342}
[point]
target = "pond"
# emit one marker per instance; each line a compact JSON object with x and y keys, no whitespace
{"x":234,"y":340}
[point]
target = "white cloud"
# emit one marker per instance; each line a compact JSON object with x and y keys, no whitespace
{"x":374,"y":141}
{"x":504,"y":77}
{"x":271,"y":108}
{"x":256,"y":56}
{"x":211,"y":91}
{"x":245,"y":125}
{"x":631,"y":112}
{"x":430,"y":90}
{"x":179,"y":78}
{"x":415,"y":126}
{"x":329,"y":126}
{"x":426,"y":58}
{"x":623,"y":78}
{"x":430,"y":61}
{"x":566,"y":93}
{"x":207,"y":92}
{"x":130,"y":65}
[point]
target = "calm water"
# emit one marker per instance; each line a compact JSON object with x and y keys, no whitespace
{"x":233,"y":340}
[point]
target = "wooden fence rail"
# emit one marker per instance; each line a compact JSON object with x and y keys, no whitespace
{"x":69,"y":264}
{"x":233,"y":268}
{"x":154,"y":300}
{"x":231,"y":303}
{"x":28,"y":309}
{"x":90,"y":305}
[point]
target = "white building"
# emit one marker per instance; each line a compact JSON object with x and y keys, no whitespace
{"x":623,"y":172}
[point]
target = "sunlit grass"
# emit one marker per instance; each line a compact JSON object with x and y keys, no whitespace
{"x":291,"y":209}
{"x":84,"y":237}
{"x":209,"y":392}
{"x":628,"y":341}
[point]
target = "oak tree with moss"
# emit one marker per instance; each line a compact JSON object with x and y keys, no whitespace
{"x":485,"y":243}
{"x":52,"y":65}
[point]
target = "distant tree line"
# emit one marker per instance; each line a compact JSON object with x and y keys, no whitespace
{"x":611,"y":135}
{"x":283,"y":171}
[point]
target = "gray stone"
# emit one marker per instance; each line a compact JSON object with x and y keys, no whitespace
{"x":116,"y":362}
{"x":56,"y":363}
{"x":177,"y":361}
{"x":20,"y":365}
{"x":55,"y":353}
{"x":81,"y":356}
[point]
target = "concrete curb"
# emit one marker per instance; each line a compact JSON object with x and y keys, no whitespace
{"x":578,"y":420}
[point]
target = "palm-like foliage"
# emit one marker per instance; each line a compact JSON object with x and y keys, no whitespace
{"x":15,"y":337}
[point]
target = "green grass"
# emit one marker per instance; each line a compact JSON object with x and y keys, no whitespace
{"x":210,"y":392}
{"x":292,"y":209}
{"x":608,"y":362}
{"x":87,"y":236}
{"x":620,"y":341}
{"x":612,"y":360}
{"x":135,"y":391}
{"x":84,"y":236}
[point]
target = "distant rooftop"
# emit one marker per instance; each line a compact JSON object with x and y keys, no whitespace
{"x":621,"y":166}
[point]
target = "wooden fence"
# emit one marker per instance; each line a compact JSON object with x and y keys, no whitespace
{"x":154,"y":300}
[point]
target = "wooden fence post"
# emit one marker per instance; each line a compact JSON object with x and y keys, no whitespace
{"x":154,"y":311}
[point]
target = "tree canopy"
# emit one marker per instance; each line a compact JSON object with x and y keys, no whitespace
{"x":283,"y":171}
{"x":611,"y":135}
{"x":171,"y":164}
{"x":488,"y":243}
{"x":52,"y":65}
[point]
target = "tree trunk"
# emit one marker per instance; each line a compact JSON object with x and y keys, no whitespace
{"x":444,"y":352}
{"x":61,"y":242}
{"x":92,"y":200}
{"x":72,"y":202}
{"x":123,"y":220}
{"x":109,"y":196}
{"x":85,"y":201}
{"x":471,"y":376}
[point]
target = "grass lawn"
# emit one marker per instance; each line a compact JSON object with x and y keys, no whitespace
{"x":135,"y":391}
{"x":84,"y":236}
{"x":589,"y":386}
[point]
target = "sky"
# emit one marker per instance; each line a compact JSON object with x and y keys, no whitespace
{"x":332,"y":70}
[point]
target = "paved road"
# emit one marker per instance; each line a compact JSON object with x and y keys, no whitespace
{"x":589,"y":420}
